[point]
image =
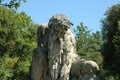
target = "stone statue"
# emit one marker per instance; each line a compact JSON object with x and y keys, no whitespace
{"x":42,"y":35}
{"x":61,"y":47}
{"x":39,"y":62}
{"x":55,"y":57}
{"x":84,"y":70}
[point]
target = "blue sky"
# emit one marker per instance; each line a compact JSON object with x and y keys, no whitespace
{"x":90,"y":12}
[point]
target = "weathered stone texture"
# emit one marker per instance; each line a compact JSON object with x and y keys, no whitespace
{"x":42,"y":35}
{"x":84,"y":70}
{"x":55,"y":57}
{"x":39,"y":64}
{"x":61,"y":48}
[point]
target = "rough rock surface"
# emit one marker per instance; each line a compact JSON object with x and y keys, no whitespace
{"x":55,"y":57}
{"x":42,"y":35}
{"x":39,"y":64}
{"x":84,"y":70}
{"x":61,"y":48}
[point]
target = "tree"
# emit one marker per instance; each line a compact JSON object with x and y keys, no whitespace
{"x":12,"y":3}
{"x":111,"y":40}
{"x":88,"y":44}
{"x":17,"y":40}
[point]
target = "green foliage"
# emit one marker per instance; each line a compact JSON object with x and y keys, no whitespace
{"x":105,"y":75}
{"x":112,"y":78}
{"x":21,"y":70}
{"x":12,"y":3}
{"x":111,"y":40}
{"x":17,"y":40}
{"x":88,"y":44}
{"x":5,"y":72}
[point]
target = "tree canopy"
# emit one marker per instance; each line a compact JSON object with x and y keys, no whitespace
{"x":111,"y":40}
{"x":88,"y":44}
{"x":11,"y":3}
{"x":17,"y":40}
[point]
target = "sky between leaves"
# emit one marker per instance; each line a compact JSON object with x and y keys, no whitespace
{"x":90,"y":12}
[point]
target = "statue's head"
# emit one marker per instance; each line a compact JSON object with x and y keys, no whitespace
{"x":59,"y":22}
